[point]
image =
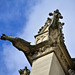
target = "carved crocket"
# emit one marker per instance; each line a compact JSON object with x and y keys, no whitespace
{"x":24,"y":46}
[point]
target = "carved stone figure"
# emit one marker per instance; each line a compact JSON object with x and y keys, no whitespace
{"x":21,"y":44}
{"x":54,"y":23}
{"x":71,"y":72}
{"x":18,"y":43}
{"x":25,"y":71}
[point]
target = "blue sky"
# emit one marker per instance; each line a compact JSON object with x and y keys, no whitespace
{"x":23,"y":18}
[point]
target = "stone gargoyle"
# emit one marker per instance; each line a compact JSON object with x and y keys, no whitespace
{"x":19,"y":43}
{"x":24,"y":46}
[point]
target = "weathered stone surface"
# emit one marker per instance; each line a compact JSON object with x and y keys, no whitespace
{"x":56,"y":68}
{"x":47,"y":65}
{"x":41,"y":66}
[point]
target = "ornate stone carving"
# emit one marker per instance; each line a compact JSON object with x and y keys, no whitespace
{"x":71,"y":72}
{"x":55,"y":27}
{"x":18,"y":43}
{"x":42,"y":51}
{"x":24,"y":71}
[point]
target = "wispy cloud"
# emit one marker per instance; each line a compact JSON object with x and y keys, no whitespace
{"x":14,"y":13}
{"x":14,"y":59}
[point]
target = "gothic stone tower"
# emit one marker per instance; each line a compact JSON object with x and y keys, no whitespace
{"x":49,"y":55}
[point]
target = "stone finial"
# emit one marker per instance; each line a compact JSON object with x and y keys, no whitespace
{"x":57,"y":14}
{"x":55,"y":19}
{"x":55,"y":27}
{"x":24,"y":71}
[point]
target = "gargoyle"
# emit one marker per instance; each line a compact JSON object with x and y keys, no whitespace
{"x":19,"y":43}
{"x":24,"y":46}
{"x":55,"y":20}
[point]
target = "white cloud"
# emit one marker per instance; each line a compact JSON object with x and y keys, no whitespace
{"x":13,"y":58}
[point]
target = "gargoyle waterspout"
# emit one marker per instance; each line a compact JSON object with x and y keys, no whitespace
{"x":19,"y":43}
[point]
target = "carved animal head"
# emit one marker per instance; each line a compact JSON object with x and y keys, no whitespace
{"x":3,"y":37}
